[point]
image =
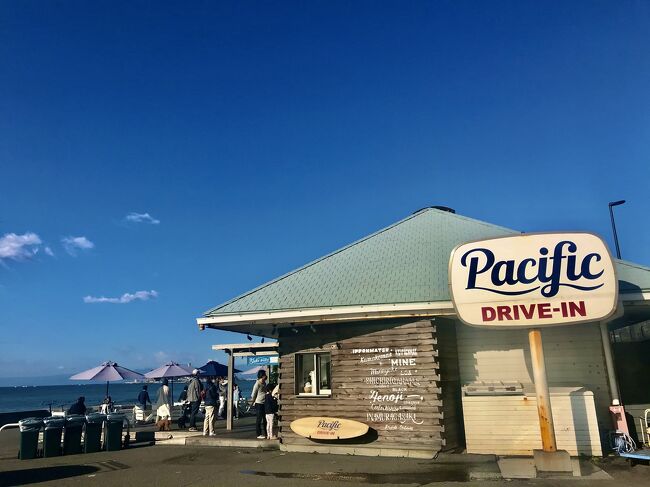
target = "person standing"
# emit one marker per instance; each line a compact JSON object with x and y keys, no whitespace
{"x":164,"y":407}
{"x":194,"y":389}
{"x":270,"y":408}
{"x":235,"y":401}
{"x":143,"y":398}
{"x":223,"y":391}
{"x":183,"y":395}
{"x":258,"y":396}
{"x":107,"y":405}
{"x":211,"y":401}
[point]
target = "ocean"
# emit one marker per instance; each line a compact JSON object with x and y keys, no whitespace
{"x":26,"y":398}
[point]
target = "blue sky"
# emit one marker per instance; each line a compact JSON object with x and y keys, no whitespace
{"x":263,"y":135}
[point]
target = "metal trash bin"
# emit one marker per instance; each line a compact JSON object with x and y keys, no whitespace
{"x":29,"y":431}
{"x":74,"y":426}
{"x":93,"y":435}
{"x":53,"y":427}
{"x":113,"y":436}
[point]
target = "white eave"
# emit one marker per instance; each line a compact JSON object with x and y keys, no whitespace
{"x":365,"y":312}
{"x":335,"y":313}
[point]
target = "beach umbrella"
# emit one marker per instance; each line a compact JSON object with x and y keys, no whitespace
{"x":215,"y":369}
{"x":169,"y":371}
{"x":109,"y":372}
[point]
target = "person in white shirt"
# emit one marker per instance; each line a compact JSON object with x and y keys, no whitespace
{"x":258,"y":396}
{"x":235,"y":400}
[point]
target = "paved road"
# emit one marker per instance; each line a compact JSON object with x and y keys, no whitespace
{"x":209,"y":466}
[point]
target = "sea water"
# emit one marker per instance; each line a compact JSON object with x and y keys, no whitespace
{"x":26,"y":398}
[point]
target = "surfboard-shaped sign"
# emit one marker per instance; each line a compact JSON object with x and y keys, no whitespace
{"x":326,"y":428}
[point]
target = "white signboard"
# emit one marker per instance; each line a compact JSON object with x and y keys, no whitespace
{"x":533,"y":280}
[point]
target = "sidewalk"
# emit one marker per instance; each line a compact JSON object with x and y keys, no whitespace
{"x":242,"y":436}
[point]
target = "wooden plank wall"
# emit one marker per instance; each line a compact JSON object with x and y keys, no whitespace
{"x":404,"y":423}
{"x":573,"y":356}
{"x":509,"y":425}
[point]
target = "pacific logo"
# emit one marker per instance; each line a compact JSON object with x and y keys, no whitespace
{"x":545,"y":270}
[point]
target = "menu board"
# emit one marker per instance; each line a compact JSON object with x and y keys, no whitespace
{"x":395,"y":396}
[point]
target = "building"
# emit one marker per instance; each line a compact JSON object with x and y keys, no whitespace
{"x":369,"y":333}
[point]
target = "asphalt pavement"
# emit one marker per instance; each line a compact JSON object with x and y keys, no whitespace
{"x":232,"y":467}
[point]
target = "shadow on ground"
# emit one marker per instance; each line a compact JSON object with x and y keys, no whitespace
{"x":35,"y":475}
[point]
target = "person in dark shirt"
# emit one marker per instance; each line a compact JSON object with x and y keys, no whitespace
{"x":143,"y":397}
{"x":270,"y":410}
{"x":211,"y":402}
{"x":78,"y":407}
{"x":183,"y":396}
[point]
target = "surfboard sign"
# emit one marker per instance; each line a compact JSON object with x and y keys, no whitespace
{"x":326,"y":428}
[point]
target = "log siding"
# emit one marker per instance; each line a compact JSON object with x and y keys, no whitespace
{"x":383,"y":374}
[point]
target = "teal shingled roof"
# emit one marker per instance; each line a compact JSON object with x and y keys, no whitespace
{"x":406,"y":262}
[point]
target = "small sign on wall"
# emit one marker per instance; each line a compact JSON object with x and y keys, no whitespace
{"x":262,"y":360}
{"x":533,"y":280}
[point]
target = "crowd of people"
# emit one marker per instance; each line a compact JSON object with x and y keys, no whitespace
{"x":214,"y":396}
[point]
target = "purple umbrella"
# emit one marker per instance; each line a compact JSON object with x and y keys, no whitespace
{"x":108,"y":371}
{"x":169,"y":370}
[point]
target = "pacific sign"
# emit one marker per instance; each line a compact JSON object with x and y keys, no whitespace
{"x":326,"y":428}
{"x":533,"y":280}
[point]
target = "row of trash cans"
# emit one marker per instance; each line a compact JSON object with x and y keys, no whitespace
{"x":73,"y":426}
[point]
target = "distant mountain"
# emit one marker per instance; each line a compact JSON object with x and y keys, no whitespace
{"x":48,"y":380}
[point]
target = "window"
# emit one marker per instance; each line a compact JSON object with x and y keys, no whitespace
{"x":313,"y":374}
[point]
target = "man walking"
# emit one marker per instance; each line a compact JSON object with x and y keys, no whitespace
{"x":194,"y":397}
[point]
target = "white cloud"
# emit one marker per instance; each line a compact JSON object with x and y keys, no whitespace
{"x":73,"y":244}
{"x":141,"y":218}
{"x":19,"y":247}
{"x":162,"y":357}
{"x":48,"y":251}
{"x":125,"y":298}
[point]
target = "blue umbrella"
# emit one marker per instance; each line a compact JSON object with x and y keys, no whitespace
{"x":215,"y":369}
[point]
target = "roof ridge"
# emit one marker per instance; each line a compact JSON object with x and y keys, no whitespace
{"x":348,"y":246}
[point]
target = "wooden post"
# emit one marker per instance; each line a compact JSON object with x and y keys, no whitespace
{"x":541,"y":391}
{"x":231,"y":366}
{"x":609,"y":362}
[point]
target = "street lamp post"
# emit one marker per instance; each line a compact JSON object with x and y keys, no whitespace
{"x":611,"y":216}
